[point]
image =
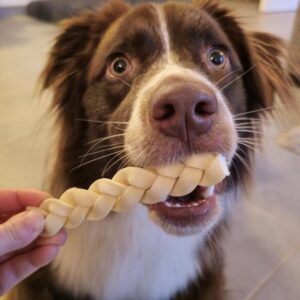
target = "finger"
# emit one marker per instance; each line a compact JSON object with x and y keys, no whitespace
{"x":20,"y":230}
{"x":21,"y":266}
{"x":59,"y":239}
{"x":13,"y":199}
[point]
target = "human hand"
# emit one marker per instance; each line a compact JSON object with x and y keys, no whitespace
{"x":22,"y":251}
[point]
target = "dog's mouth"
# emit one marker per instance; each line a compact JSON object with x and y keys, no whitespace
{"x":187,"y":214}
{"x":196,"y":209}
{"x":181,"y":197}
{"x":195,"y":199}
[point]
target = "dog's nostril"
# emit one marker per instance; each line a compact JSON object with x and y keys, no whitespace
{"x":205,"y":107}
{"x":164,"y":112}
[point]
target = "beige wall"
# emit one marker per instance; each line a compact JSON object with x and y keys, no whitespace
{"x":278,"y":5}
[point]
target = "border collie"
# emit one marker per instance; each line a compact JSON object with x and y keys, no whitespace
{"x":149,"y":85}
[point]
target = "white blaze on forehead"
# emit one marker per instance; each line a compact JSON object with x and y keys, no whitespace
{"x":170,"y":70}
{"x":164,"y":32}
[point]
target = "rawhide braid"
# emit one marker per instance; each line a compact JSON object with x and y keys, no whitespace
{"x":128,"y":187}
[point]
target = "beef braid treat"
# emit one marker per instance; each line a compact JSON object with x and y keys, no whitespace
{"x":130,"y":186}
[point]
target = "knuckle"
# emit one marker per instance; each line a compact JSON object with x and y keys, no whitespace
{"x":11,"y":232}
{"x":15,"y":233}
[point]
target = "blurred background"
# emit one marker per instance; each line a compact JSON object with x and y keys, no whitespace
{"x":263,"y":246}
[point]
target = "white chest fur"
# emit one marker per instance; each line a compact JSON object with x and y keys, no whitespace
{"x":127,"y":257}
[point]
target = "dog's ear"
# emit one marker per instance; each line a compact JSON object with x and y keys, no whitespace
{"x":266,"y":59}
{"x":277,"y":64}
{"x":66,"y":74}
{"x":70,"y":57}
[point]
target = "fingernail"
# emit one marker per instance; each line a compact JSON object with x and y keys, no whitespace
{"x":35,"y":220}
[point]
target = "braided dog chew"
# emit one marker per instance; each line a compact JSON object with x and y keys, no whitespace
{"x":128,"y":187}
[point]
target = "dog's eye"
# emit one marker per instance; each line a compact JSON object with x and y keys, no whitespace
{"x":217,"y":57}
{"x":119,"y":65}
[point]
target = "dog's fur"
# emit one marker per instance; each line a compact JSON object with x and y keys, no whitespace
{"x":129,"y":256}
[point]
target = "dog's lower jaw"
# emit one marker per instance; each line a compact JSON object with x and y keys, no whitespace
{"x":127,"y":256}
{"x":191,"y":225}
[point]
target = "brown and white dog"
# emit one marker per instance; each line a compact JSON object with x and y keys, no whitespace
{"x":150,"y":85}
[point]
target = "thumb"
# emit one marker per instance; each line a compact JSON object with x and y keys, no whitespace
{"x":20,"y":230}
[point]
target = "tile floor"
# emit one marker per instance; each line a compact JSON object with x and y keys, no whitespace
{"x":263,"y":247}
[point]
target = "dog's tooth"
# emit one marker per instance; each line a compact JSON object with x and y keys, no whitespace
{"x":168,"y":204}
{"x":209,"y":191}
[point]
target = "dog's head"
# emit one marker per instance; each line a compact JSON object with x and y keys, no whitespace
{"x":153,"y":84}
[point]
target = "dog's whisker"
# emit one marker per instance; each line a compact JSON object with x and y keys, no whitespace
{"x":252,"y":142}
{"x":93,"y":160}
{"x":249,"y":122}
{"x":254,"y":148}
{"x":255,"y":110}
{"x":226,"y":76}
{"x":245,"y":117}
{"x":236,"y":169}
{"x":249,"y":126}
{"x":101,"y":122}
{"x":124,"y":163}
{"x":97,"y":143}
{"x":249,"y":146}
{"x":250,"y":131}
{"x":250,"y":139}
{"x":108,"y":167}
{"x":106,"y":138}
{"x":138,"y":156}
{"x":100,"y":151}
{"x":118,"y":128}
{"x":125,"y":157}
{"x":243,"y":161}
{"x":109,"y":145}
{"x":237,"y":78}
{"x":241,"y":129}
{"x":244,"y":152}
{"x":141,"y":155}
{"x":126,"y":83}
{"x":105,"y":167}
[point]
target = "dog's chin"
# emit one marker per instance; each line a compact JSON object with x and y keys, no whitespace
{"x":188,"y":215}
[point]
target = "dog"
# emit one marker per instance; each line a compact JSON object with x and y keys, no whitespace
{"x":149,"y":85}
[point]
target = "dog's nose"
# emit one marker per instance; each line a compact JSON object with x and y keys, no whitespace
{"x":184,"y":111}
